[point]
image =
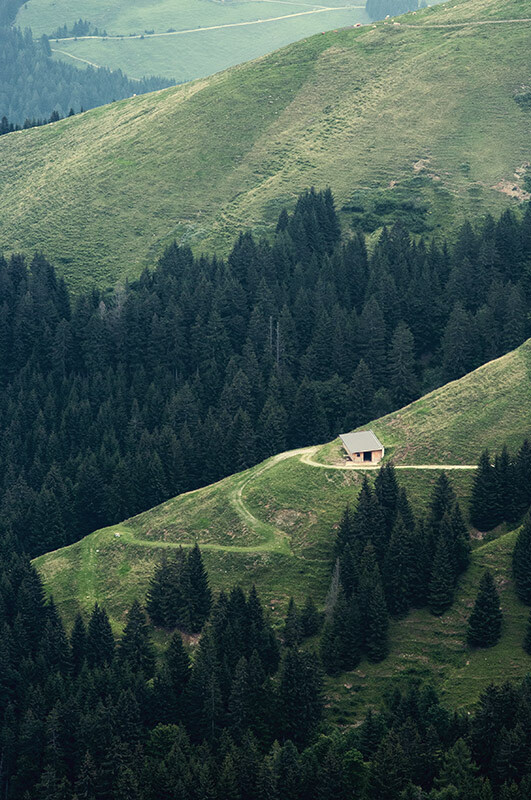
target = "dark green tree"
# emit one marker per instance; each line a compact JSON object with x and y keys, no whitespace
{"x":441,"y":586}
{"x":292,"y":625}
{"x":200,"y":594}
{"x":522,"y":562}
{"x":485,"y":510}
{"x":309,"y":618}
{"x":136,"y":648}
{"x":484,"y":623}
{"x":100,"y":639}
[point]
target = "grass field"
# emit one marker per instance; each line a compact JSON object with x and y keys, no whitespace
{"x":397,"y":113}
{"x":176,"y":41}
{"x":203,"y":51}
{"x":274,"y":525}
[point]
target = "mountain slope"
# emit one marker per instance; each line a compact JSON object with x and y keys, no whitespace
{"x":274,"y":526}
{"x":453,"y":424}
{"x":391,"y":117}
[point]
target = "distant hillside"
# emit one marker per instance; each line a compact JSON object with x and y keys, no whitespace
{"x":274,"y":525}
{"x":186,"y":40}
{"x":400,"y":121}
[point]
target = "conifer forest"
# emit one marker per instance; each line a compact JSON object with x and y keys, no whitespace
{"x":210,"y":297}
{"x":105,"y":397}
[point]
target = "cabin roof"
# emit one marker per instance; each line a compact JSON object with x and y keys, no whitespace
{"x":361,"y":442}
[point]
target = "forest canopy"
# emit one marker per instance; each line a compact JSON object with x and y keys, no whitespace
{"x":105,"y":396}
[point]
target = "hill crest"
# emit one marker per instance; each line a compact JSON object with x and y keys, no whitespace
{"x":202,"y":161}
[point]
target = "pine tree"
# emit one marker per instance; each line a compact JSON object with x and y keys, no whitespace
{"x":292,"y":625}
{"x":403,"y":381}
{"x":345,"y":533}
{"x":442,"y":501}
{"x":239,"y":700}
{"x":309,"y":618}
{"x":373,"y":608}
{"x":200,"y":594}
{"x":522,"y":562}
{"x":300,"y":696}
{"x":398,"y":570}
{"x":485,"y":511}
{"x":341,"y":642}
{"x":441,"y":587}
{"x":484,"y":623}
{"x":100,"y":639}
{"x":136,"y":648}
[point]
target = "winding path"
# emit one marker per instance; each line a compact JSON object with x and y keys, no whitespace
{"x":130,"y":37}
{"x":272,"y":539}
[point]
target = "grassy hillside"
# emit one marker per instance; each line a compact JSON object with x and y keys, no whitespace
{"x":274,"y":525}
{"x":399,"y":121}
{"x":453,"y":424}
{"x":188,"y":39}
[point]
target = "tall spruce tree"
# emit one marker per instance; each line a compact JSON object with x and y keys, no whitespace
{"x":484,"y":623}
{"x":522,"y":562}
{"x":200,"y":594}
{"x":100,"y":639}
{"x":136,"y":648}
{"x":292,"y":625}
{"x":373,"y":608}
{"x":485,"y":510}
{"x":441,"y":586}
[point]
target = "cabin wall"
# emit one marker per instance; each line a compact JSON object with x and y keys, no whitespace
{"x":376,"y":457}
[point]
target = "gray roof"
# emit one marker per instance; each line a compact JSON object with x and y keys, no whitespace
{"x":361,"y":442}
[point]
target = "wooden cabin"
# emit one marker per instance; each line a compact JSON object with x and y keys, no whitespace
{"x":363,"y":447}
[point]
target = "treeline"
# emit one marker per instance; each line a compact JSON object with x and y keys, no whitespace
{"x":389,"y":560}
{"x":34,"y":85}
{"x":8,"y":127}
{"x":502,"y":489}
{"x":80,"y":28}
{"x":83,"y":717}
{"x":112,"y":406}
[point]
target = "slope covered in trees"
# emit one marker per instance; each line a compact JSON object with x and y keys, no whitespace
{"x":111,"y":407}
{"x":208,"y":160}
{"x":34,"y":85}
{"x":85,"y":717}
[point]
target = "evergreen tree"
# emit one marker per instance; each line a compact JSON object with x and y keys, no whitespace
{"x":441,"y":587}
{"x":200,"y":594}
{"x":135,"y":645}
{"x":292,"y":625}
{"x":522,"y":562}
{"x":485,"y":511}
{"x":309,"y":618}
{"x":401,"y":368}
{"x":341,"y":641}
{"x":299,"y":693}
{"x":373,"y":609}
{"x":100,"y":639}
{"x":78,"y":644}
{"x":484,"y":624}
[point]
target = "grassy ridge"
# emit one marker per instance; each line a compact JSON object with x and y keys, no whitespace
{"x":405,"y":114}
{"x":274,"y":525}
{"x":454,"y":424}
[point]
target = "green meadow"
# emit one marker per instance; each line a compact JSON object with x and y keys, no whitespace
{"x":399,"y":121}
